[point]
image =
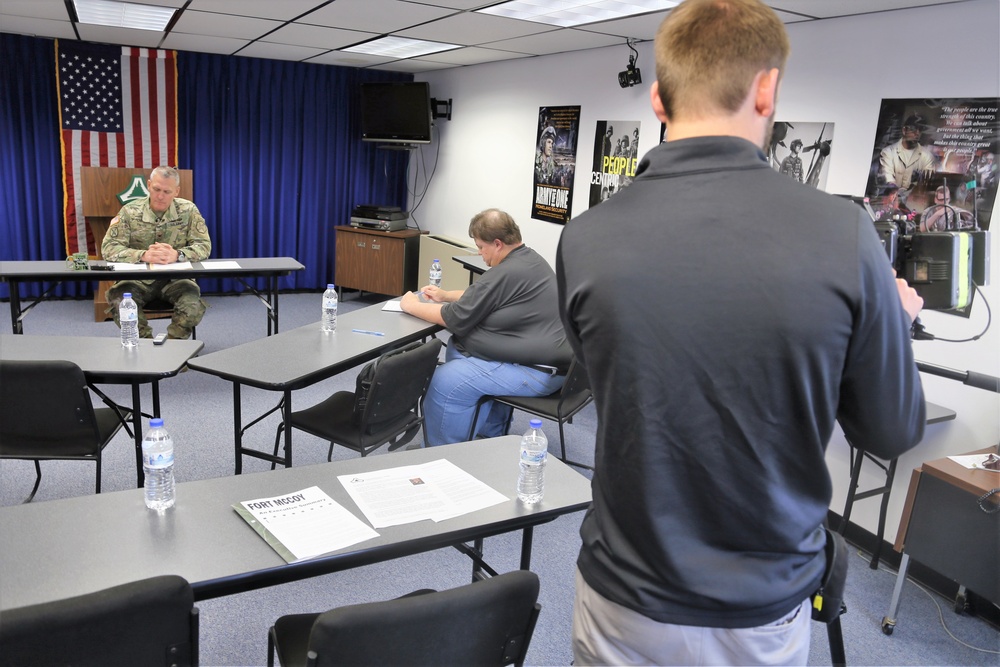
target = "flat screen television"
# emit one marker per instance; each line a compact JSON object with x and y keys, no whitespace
{"x":396,"y":112}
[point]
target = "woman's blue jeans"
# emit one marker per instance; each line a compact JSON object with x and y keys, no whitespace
{"x":461,"y":381}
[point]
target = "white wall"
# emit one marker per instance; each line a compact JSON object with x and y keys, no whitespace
{"x":839,"y":71}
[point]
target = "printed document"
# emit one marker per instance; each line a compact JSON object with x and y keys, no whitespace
{"x":393,"y":306}
{"x":437,"y":490}
{"x":304,"y":524}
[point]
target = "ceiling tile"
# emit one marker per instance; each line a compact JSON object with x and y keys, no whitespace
{"x":455,"y":4}
{"x":820,"y":9}
{"x":280,"y":51}
{"x":21,"y":25}
{"x":635,"y":27}
{"x":268,"y":9}
{"x":557,"y":41}
{"x":200,"y":44}
{"x":378,"y":16}
{"x":414,"y":66}
{"x":32,"y":8}
{"x":316,"y":36}
{"x":123,"y":36}
{"x":473,"y":29}
{"x":472,"y":55}
{"x":345,"y":59}
{"x":223,"y":25}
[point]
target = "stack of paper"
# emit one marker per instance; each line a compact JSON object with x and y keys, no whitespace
{"x":304,"y":524}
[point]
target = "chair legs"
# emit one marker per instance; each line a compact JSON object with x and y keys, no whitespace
{"x":38,"y":479}
{"x":510,"y":420}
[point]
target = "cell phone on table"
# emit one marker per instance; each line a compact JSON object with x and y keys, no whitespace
{"x":159,"y":339}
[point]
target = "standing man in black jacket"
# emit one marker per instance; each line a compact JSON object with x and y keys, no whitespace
{"x":722,"y":344}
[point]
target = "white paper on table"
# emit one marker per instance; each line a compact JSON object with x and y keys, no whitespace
{"x":307,"y":523}
{"x":437,"y":490}
{"x":125,"y":266}
{"x":226,"y":264}
{"x":393,"y":306}
{"x":176,"y":266}
{"x":466,"y":493}
{"x":972,"y":461}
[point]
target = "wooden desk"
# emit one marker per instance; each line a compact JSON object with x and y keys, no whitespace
{"x":61,"y":548}
{"x":943,"y":527}
{"x":105,"y":361}
{"x":270,"y":268}
{"x":301,"y":357}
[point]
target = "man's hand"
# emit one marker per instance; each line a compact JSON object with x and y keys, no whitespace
{"x":912,"y":302}
{"x":434,"y":293}
{"x":425,"y":310}
{"x":160,"y":253}
{"x":438,"y":295}
{"x":410,"y":298}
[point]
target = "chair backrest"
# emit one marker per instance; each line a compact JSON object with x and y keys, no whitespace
{"x":575,"y":391}
{"x":148,"y":622}
{"x":400,"y":382}
{"x":488,"y":622}
{"x":46,"y":410}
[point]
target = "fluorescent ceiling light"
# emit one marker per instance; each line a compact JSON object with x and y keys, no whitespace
{"x":568,"y":13}
{"x":400,"y":47}
{"x":123,"y":14}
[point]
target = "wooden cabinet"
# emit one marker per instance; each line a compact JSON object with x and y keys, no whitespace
{"x":379,"y":262}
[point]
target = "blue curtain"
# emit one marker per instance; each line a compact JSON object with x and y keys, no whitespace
{"x":30,"y":159}
{"x":277,"y":158}
{"x":274,"y":146}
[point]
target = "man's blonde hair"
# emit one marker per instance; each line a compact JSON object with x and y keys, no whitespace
{"x":709,"y":51}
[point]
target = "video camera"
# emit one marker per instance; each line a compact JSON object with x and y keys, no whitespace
{"x":943,"y":267}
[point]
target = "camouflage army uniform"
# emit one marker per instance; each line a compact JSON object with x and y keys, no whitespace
{"x":182,"y":226}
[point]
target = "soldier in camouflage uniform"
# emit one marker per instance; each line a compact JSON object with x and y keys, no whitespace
{"x":159,"y":229}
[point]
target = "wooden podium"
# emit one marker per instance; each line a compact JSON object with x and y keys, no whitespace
{"x":100,"y":187}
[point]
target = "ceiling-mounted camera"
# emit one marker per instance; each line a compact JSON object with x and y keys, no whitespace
{"x":631,"y":76}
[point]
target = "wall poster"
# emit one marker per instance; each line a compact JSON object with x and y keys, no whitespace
{"x":802,"y":151}
{"x":616,"y":156}
{"x":555,"y":163}
{"x":934,"y":163}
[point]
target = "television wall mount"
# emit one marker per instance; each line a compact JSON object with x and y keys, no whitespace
{"x":440,"y":108}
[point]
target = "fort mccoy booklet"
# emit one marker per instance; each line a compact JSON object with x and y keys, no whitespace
{"x":304,"y":524}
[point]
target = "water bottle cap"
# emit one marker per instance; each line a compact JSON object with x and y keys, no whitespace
{"x":156,"y":422}
{"x":127,"y":295}
{"x":535,"y":423}
{"x":436,"y":261}
{"x":330,"y":286}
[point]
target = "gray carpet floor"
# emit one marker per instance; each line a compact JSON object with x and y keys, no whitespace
{"x":197,"y":409}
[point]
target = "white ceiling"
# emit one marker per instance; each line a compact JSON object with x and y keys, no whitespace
{"x":315,"y":30}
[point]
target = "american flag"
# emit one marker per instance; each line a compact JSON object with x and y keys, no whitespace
{"x":117,"y":108}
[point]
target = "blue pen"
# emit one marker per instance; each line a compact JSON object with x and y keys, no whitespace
{"x":370,"y":333}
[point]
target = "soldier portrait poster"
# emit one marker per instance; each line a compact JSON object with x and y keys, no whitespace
{"x":802,"y":151}
{"x":616,"y":148}
{"x":934,"y":163}
{"x":555,"y":163}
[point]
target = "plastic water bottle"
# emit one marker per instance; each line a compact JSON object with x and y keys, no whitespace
{"x":128,"y":316}
{"x":158,"y":466}
{"x":534,"y":451}
{"x":329,"y":322}
{"x":436,"y":273}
